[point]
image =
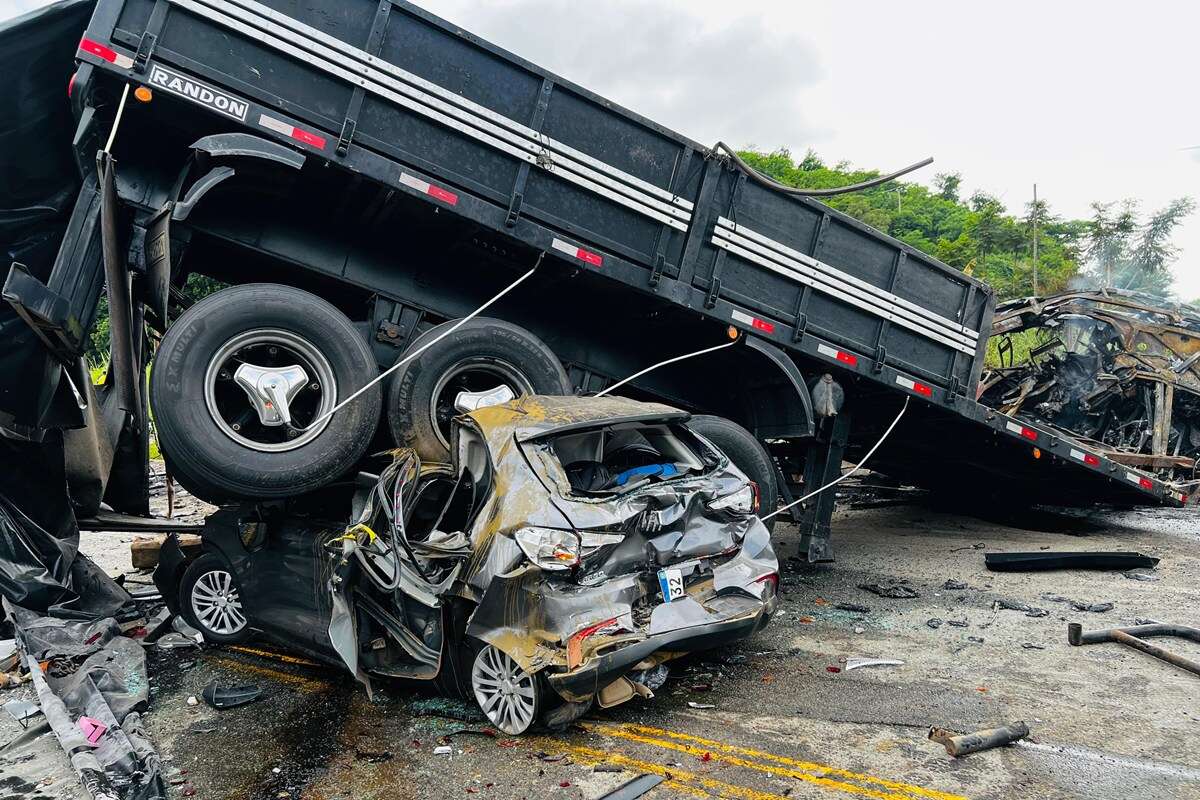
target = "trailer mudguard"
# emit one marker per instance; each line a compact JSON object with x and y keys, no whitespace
{"x":783,"y":409}
{"x":245,"y":145}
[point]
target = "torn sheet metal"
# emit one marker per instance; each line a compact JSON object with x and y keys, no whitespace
{"x":93,"y":674}
{"x":1120,"y":370}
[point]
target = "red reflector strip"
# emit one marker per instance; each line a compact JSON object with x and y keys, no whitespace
{"x":1140,"y":480}
{"x":436,"y":192}
{"x":279,"y":126}
{"x":753,"y":322}
{"x":107,"y":53}
{"x":1183,"y":498}
{"x":838,"y":355}
{"x":574,"y":251}
{"x":914,"y":386}
{"x":1021,"y":430}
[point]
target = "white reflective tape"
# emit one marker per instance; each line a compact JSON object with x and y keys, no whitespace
{"x":277,"y":125}
{"x":412,"y":181}
{"x":743,"y":318}
{"x":906,"y":382}
{"x":1014,"y":427}
{"x":123,"y":61}
{"x":825,"y":350}
{"x":1135,"y":478}
{"x":566,"y":247}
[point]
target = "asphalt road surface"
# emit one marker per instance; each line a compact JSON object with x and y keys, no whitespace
{"x":777,"y":716}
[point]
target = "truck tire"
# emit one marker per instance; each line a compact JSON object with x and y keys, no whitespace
{"x":217,"y":443}
{"x":481,"y":355}
{"x":746,"y":453}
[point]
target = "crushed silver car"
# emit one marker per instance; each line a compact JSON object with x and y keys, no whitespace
{"x":573,"y":547}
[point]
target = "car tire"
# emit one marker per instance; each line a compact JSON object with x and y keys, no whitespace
{"x":482,"y":354}
{"x":215,"y":443}
{"x":746,"y":453}
{"x":211,"y":600}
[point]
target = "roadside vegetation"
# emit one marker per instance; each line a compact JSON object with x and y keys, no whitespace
{"x":1118,"y":246}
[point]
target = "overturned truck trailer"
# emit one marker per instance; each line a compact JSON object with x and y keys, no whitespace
{"x":361,"y":175}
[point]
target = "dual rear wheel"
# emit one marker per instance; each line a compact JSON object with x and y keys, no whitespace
{"x":246,"y":382}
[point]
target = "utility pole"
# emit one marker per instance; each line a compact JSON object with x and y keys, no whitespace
{"x":1037,"y":213}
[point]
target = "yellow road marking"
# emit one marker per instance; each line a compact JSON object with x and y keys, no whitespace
{"x":693,"y":784}
{"x":792,"y":768}
{"x":254,"y":651}
{"x":267,"y":672}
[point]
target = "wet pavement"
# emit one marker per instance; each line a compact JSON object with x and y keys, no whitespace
{"x":777,"y":716}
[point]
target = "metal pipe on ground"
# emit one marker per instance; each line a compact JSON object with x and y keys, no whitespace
{"x":1134,"y":637}
{"x":964,"y":744}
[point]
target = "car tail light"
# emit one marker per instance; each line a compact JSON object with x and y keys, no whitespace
{"x":575,"y":643}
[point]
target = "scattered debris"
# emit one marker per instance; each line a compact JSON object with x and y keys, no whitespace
{"x":222,"y":697}
{"x":975,"y":639}
{"x":834,"y":670}
{"x":934,"y":623}
{"x":1017,"y":605}
{"x":603,"y":767}
{"x":858,"y":663}
{"x":93,"y":729}
{"x":964,"y":744}
{"x":855,"y":607}
{"x":1032,"y":646}
{"x":701,"y":706}
{"x":175,"y":641}
{"x":958,"y":623}
{"x":192,"y":701}
{"x":1139,"y":576}
{"x":443,"y":750}
{"x":22,"y":711}
{"x":952,"y":585}
{"x":1041,"y":561}
{"x":1134,"y":637}
{"x":1095,"y":608}
{"x":895,"y":590}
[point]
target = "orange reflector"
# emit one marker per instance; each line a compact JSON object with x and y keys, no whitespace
{"x":732,"y":331}
{"x":1037,"y":452}
{"x":143,"y":93}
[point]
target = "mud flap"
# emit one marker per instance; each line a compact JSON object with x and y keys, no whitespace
{"x":157,"y":290}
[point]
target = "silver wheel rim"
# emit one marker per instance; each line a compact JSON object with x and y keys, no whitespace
{"x":471,"y":375}
{"x":216,"y":603}
{"x":231,"y":410}
{"x":506,"y":693}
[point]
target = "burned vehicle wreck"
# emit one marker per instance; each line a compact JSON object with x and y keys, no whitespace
{"x":573,"y":546}
{"x":1119,"y":370}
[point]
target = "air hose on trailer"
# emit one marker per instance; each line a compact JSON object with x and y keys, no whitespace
{"x":857,"y":466}
{"x":771,"y":183}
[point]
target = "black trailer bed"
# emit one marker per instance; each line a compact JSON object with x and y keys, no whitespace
{"x":387,"y":91}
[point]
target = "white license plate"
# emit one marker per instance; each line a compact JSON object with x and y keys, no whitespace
{"x":670,"y":581}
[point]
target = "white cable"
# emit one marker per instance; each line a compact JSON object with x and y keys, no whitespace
{"x":635,"y":375}
{"x":410,"y":356}
{"x":857,"y":467}
{"x":112,"y":134}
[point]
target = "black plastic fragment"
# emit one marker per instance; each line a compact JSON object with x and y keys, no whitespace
{"x":1038,"y":562}
{"x":222,"y":697}
{"x":635,"y":788}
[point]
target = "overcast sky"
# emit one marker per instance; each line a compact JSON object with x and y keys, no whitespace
{"x":1090,"y":100}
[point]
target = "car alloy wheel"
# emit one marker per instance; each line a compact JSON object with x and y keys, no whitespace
{"x":507,"y":693}
{"x":217,"y":604}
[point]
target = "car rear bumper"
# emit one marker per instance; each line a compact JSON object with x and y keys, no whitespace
{"x":726,"y":619}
